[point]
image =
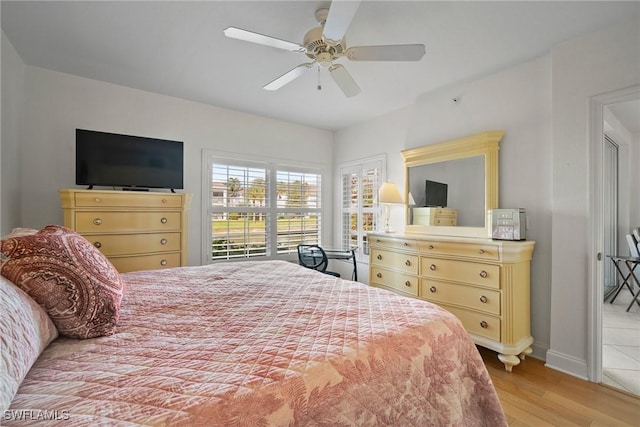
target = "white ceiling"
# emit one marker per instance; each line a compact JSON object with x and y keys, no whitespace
{"x":178,"y":48}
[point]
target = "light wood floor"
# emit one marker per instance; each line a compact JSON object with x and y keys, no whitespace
{"x":533,"y":395}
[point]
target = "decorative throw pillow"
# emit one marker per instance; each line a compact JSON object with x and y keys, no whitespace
{"x":17,"y":232}
{"x":64,"y":273}
{"x":25,"y":331}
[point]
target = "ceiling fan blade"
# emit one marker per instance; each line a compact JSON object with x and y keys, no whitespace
{"x":400,"y":52}
{"x":340,"y":15}
{"x":344,"y":80}
{"x":250,"y":36}
{"x":288,"y":77}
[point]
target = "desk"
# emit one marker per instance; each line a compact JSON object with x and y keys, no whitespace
{"x":631,"y":264}
{"x":344,"y":254}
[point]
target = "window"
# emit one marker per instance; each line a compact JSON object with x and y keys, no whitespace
{"x":261,"y":209}
{"x":360,"y":212}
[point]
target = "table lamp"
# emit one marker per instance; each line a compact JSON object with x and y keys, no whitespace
{"x":388,"y":194}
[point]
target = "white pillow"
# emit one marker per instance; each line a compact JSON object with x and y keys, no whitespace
{"x":20,"y":231}
{"x":25,"y":331}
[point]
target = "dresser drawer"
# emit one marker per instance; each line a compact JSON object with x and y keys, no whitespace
{"x":145,"y":262}
{"x":139,"y":200}
{"x":395,"y":280}
{"x":477,"y":323}
{"x":479,"y":250}
{"x":396,"y":260}
{"x":390,"y":242}
{"x":113,"y":222}
{"x":444,"y":220}
{"x":487,"y":275}
{"x":485,"y":300}
{"x":124,"y":244}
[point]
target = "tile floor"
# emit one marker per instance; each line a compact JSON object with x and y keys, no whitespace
{"x":621,"y":344}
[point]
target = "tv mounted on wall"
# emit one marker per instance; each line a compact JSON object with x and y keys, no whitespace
{"x":131,"y":162}
{"x":435,"y":194}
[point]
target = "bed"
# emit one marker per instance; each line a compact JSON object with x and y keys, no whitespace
{"x":254,"y":343}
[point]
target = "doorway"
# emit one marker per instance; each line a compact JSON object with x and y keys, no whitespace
{"x":606,"y":238}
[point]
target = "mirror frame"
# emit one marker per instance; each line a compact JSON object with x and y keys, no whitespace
{"x":481,"y":144}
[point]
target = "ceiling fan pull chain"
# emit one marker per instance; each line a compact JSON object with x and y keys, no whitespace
{"x":319,"y":87}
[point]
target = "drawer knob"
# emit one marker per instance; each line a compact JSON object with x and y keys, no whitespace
{"x":481,"y":251}
{"x":433,"y":289}
{"x":484,"y":325}
{"x":407,"y":263}
{"x":163,"y":262}
{"x":164,"y":200}
{"x":432,"y":267}
{"x":407,"y":284}
{"x":163,"y":220}
{"x":97,"y":221}
{"x":406,"y":243}
{"x":377,"y":240}
{"x":379,"y":257}
{"x":430,"y":246}
{"x":483,"y":299}
{"x":98,"y":199}
{"x":163,"y":241}
{"x":484,"y":274}
{"x":379,"y":275}
{"x":97,"y":244}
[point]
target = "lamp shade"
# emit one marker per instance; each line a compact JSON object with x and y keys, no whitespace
{"x":389,"y":193}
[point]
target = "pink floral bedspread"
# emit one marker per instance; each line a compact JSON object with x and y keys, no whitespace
{"x":263,"y":344}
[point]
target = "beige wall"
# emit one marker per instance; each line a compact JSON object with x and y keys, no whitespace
{"x":13,"y":70}
{"x":55,"y":104}
{"x":598,"y":63}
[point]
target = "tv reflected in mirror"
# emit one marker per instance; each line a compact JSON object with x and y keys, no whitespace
{"x":435,"y":194}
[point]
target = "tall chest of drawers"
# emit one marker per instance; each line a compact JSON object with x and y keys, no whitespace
{"x":135,"y":230}
{"x":485,"y":283}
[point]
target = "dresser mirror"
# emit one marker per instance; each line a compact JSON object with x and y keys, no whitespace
{"x":461,"y":175}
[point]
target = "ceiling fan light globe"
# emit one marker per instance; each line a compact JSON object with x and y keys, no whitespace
{"x":325,"y":59}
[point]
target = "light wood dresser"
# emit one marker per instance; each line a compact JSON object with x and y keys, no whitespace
{"x":485,"y":283}
{"x":135,"y":230}
{"x":435,"y":216}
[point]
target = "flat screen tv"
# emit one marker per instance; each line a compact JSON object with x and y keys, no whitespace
{"x":435,"y":194}
{"x":131,"y":162}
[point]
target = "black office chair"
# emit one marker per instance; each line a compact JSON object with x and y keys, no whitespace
{"x":315,"y":258}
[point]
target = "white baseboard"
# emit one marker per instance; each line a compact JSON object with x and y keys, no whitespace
{"x":539,"y":351}
{"x":567,"y":364}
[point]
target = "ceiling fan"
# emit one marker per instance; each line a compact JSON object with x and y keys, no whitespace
{"x":326,"y":43}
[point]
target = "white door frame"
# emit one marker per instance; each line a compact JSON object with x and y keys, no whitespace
{"x":596,"y":213}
